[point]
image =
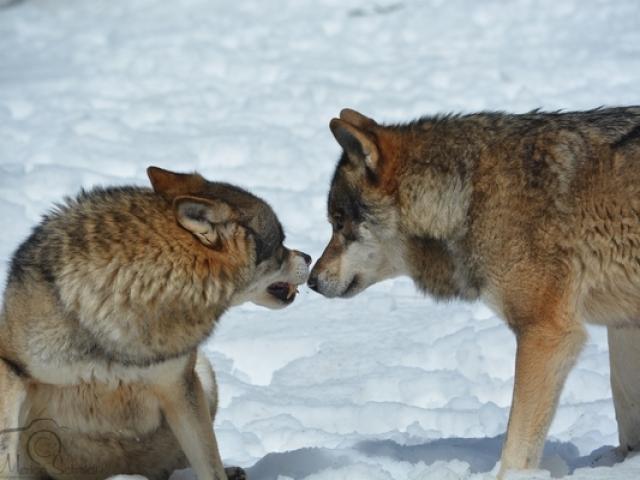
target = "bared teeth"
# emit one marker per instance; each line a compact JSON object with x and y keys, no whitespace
{"x":292,"y":291}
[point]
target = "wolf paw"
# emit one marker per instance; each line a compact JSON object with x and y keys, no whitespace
{"x":235,"y":473}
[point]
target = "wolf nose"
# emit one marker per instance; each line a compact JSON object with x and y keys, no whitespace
{"x":313,"y":282}
{"x":305,"y":257}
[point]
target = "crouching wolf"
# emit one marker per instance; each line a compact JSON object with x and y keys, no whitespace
{"x":537,"y":214}
{"x":104,"y":309}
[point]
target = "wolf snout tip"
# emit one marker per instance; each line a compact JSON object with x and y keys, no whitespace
{"x":307,"y":258}
{"x":312,"y":282}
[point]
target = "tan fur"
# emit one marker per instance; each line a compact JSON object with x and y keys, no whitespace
{"x":104,"y":310}
{"x":537,"y":214}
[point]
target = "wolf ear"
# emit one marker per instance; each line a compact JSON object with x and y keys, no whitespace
{"x":356,"y":118}
{"x":201,"y":216}
{"x":359,"y":147}
{"x":163,"y":180}
{"x":171,"y":184}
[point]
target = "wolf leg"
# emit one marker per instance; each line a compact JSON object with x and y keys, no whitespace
{"x":544,"y":357}
{"x":186,"y":408}
{"x":12,"y":395}
{"x":208,"y":380}
{"x":624,"y":357}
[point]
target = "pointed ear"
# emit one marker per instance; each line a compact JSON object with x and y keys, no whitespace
{"x":201,"y":216}
{"x":359,"y":147}
{"x":162,"y":180}
{"x":171,"y":184}
{"x":356,"y":118}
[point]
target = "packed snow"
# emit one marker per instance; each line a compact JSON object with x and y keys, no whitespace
{"x":389,"y":385}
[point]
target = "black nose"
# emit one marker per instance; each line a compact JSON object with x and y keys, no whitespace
{"x":313,"y":283}
{"x":307,"y":258}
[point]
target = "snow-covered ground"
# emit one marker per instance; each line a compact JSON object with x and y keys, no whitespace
{"x":386,"y":386}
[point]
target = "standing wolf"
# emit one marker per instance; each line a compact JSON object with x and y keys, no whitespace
{"x":538,"y":215}
{"x":104,"y":309}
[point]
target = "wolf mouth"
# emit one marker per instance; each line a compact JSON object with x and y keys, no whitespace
{"x":283,"y":291}
{"x":350,"y":290}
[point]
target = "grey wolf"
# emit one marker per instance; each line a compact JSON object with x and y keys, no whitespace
{"x":105,"y":306}
{"x":536,"y":214}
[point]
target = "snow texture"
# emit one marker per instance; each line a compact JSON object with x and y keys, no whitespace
{"x":386,"y":386}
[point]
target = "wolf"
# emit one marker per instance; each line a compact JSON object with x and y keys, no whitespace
{"x":105,"y":307}
{"x":536,"y":214}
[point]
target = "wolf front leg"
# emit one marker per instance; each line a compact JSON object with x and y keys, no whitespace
{"x":12,"y":395}
{"x":624,"y":357}
{"x":186,"y":409}
{"x":544,"y":356}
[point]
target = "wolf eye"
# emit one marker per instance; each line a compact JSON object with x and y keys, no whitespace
{"x":338,"y":224}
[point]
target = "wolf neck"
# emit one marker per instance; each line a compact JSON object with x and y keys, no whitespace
{"x":434,"y":178}
{"x":434,"y":191}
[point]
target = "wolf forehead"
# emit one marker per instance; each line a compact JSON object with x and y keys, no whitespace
{"x":255,"y":214}
{"x":248,"y":209}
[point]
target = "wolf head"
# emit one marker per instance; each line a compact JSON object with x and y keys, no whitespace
{"x":393,"y":185}
{"x":216,"y":212}
{"x":363,"y":248}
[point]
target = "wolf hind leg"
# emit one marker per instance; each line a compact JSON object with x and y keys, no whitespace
{"x":13,"y":393}
{"x":624,"y":358}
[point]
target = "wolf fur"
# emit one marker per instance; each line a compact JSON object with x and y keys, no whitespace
{"x":106,"y":304}
{"x":536,"y":214}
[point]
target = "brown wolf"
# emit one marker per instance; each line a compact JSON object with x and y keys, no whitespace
{"x":104,"y":309}
{"x":536,"y":214}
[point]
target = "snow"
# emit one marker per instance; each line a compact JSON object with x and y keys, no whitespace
{"x":386,"y":386}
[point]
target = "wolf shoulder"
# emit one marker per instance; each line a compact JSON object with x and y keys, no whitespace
{"x":559,"y":196}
